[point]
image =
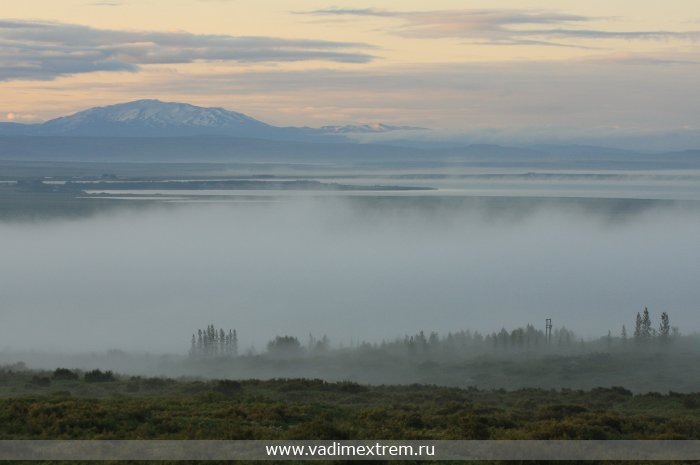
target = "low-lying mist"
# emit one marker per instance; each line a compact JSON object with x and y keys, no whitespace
{"x":352,"y":269}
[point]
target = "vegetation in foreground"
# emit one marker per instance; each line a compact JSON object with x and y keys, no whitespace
{"x":67,"y":404}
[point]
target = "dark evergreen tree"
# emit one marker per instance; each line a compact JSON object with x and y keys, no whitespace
{"x":503,"y":338}
{"x":664,"y":328}
{"x":213,"y":342}
{"x":433,"y":339}
{"x":421,"y":341}
{"x":284,"y":345}
{"x":517,"y":338}
{"x":324,"y":344}
{"x":646,"y":325}
{"x":564,"y":337}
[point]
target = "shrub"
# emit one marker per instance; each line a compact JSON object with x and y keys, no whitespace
{"x":228,"y":387}
{"x":64,"y":374}
{"x":560,"y":411}
{"x":41,"y":381}
{"x":351,"y":386}
{"x":99,"y":376}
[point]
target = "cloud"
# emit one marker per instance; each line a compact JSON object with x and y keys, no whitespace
{"x":12,"y":116}
{"x":591,"y":94}
{"x":44,"y":50}
{"x":500,"y":27}
{"x":350,"y":11}
{"x":594,"y":34}
{"x":626,"y":58}
{"x":106,"y":3}
{"x":639,"y":91}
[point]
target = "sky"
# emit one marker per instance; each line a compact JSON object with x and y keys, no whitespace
{"x":511,"y":68}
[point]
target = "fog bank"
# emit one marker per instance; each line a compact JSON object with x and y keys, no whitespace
{"x":351,"y":269}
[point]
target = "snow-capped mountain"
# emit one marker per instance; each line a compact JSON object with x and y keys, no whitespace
{"x":155,"y":113}
{"x":155,"y":118}
{"x":367,"y":128}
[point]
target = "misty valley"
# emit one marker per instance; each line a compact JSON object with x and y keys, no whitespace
{"x":360,"y":259}
{"x":340,"y":302}
{"x":293,"y":231}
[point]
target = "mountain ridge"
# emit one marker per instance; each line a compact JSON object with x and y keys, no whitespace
{"x":156,"y":114}
{"x":159,"y":131}
{"x":155,"y":118}
{"x":369,"y":128}
{"x":225,"y":149}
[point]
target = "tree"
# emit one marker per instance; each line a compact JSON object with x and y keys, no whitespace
{"x":517,"y":338}
{"x":324,"y":344}
{"x":433,"y":339}
{"x":213,"y":342}
{"x":646,"y":325}
{"x":234,"y":342}
{"x":421,"y":341}
{"x":664,"y":327}
{"x":638,"y":328}
{"x":623,"y":335}
{"x":503,"y":337}
{"x":284,"y":345}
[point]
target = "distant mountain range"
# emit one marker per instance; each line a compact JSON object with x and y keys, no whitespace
{"x":368,"y":128}
{"x":155,"y":131}
{"x":153,"y":118}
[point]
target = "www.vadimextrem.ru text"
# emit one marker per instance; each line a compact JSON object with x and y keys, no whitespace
{"x":337,"y":449}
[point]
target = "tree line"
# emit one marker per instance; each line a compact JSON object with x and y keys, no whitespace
{"x":644,"y":332}
{"x":213,"y":342}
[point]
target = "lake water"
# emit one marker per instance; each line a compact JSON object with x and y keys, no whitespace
{"x":684,"y":185}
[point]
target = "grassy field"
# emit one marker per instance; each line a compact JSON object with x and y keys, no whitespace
{"x":46,"y":405}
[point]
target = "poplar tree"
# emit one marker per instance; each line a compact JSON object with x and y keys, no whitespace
{"x":664,"y":327}
{"x":234,"y":342}
{"x":646,"y":325}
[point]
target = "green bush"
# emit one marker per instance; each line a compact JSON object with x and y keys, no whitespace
{"x":61,"y":374}
{"x":99,"y":376}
